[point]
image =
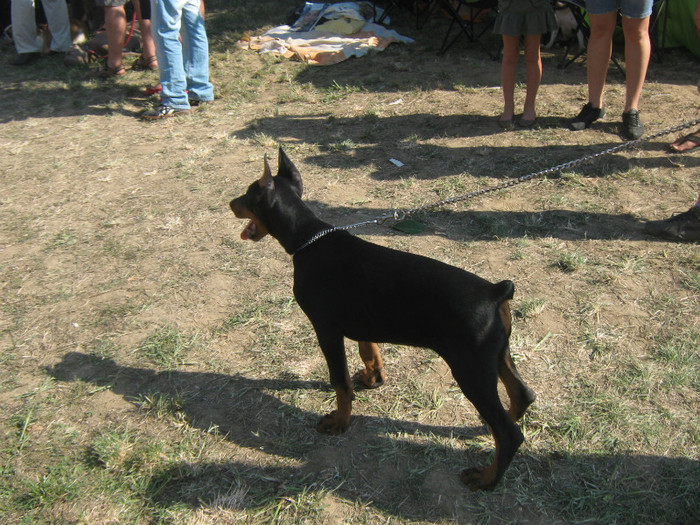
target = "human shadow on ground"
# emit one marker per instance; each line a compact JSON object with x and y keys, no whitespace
{"x":370,"y":464}
{"x":470,"y":225}
{"x":48,"y":89}
{"x":371,"y":141}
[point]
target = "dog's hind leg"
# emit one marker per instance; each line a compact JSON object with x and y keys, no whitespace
{"x":481,"y":388}
{"x":338,"y":420}
{"x":373,"y":375}
{"x":520,"y":395}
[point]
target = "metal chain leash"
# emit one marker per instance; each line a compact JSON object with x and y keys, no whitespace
{"x":399,"y":215}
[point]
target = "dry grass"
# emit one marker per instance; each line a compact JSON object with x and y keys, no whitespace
{"x":155,"y":369}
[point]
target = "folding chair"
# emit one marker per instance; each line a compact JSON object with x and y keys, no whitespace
{"x":473,"y":26}
{"x":385,"y":13}
{"x":659,"y":17}
{"x":421,"y":9}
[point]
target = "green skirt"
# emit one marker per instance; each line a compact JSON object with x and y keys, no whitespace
{"x":524,"y":17}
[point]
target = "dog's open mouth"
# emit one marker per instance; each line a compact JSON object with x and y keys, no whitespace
{"x":255,"y":229}
{"x":250,"y":231}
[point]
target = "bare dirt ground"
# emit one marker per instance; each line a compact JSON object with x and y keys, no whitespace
{"x":154,"y":368}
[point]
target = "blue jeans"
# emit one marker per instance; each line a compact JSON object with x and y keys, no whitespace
{"x":184,"y":68}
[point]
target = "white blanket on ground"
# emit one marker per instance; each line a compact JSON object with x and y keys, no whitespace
{"x":343,"y":32}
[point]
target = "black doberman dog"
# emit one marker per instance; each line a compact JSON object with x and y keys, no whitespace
{"x":351,"y":288}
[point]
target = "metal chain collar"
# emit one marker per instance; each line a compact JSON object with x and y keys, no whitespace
{"x":399,"y":215}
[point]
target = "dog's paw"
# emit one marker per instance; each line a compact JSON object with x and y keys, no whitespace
{"x":477,"y":478}
{"x":333,"y":424}
{"x":370,"y":379}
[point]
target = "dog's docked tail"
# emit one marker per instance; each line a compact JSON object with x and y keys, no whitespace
{"x":504,"y":291}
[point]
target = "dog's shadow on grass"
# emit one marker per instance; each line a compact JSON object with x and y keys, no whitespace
{"x":371,"y":465}
{"x":368,"y":462}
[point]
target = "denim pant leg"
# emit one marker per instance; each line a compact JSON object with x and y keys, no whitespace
{"x":59,"y":24}
{"x":196,"y":53}
{"x":165,"y":27}
{"x":24,"y":27}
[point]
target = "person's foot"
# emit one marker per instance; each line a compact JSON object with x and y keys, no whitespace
{"x":506,"y":123}
{"x":632,"y":128}
{"x":163,"y":111}
{"x":23,"y":59}
{"x":144,"y":63}
{"x":106,"y":71}
{"x":687,"y":143}
{"x":684,"y":227}
{"x":587,"y":116}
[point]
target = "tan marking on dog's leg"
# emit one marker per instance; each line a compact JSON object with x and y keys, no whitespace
{"x":504,"y":312}
{"x":373,"y":375}
{"x":508,"y":375}
{"x":520,"y":395}
{"x":482,"y":478}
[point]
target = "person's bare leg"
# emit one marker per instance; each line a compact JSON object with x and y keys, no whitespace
{"x":115,"y":24}
{"x":509,"y":63}
{"x":598,"y":55}
{"x":533,"y":63}
{"x":148,"y":47}
{"x":637,"y":53}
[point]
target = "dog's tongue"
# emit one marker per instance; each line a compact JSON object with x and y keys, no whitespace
{"x":249,"y":231}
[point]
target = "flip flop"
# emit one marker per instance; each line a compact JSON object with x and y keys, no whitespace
{"x":523,"y":123}
{"x":693,"y":138}
{"x":507,"y":125}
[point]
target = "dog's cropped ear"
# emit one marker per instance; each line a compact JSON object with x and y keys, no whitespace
{"x":266,"y":182}
{"x":289,"y":171}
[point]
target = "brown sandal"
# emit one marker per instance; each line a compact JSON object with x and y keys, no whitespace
{"x":108,"y":72}
{"x":144,"y":63}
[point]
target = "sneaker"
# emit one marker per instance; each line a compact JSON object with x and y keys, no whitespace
{"x":162,"y":112}
{"x":632,"y":128}
{"x":683,"y":227}
{"x":195,"y":103}
{"x":586,"y":117}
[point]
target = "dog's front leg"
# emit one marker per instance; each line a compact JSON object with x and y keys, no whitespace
{"x":338,"y":420}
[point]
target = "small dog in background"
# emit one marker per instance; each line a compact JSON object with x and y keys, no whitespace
{"x":567,"y":27}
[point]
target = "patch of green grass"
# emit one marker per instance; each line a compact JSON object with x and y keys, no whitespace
{"x":678,"y":354}
{"x":529,"y":307}
{"x":691,"y":281}
{"x":63,"y":239}
{"x":167,"y":347}
{"x":161,"y":404}
{"x":57,"y":485}
{"x":571,"y":262}
{"x":337,"y":91}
